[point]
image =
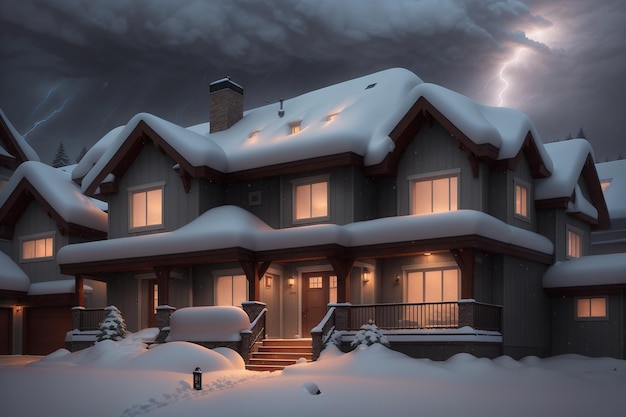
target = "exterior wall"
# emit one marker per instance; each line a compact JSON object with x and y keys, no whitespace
{"x":124,"y":292}
{"x":597,"y":338}
{"x":610,"y":241}
{"x":151,"y":166}
{"x":433,"y":150}
{"x":525,"y":306}
{"x":341,"y":196}
{"x":33,"y":222}
{"x":261,"y":198}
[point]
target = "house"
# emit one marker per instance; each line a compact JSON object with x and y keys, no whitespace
{"x":42,"y":210}
{"x":381,"y":198}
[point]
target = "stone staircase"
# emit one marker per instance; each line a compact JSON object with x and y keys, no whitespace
{"x":275,"y":354}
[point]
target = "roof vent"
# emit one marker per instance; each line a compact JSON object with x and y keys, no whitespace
{"x":281,"y":112}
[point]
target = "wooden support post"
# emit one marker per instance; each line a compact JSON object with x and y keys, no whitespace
{"x":79,"y":290}
{"x":342,"y":268}
{"x":254,"y":272}
{"x":163,"y":281}
{"x":465,"y":259}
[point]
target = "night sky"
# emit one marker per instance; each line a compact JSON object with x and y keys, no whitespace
{"x":71,"y":70}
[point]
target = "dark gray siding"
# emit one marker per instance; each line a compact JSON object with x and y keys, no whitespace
{"x":34,"y":222}
{"x":525,"y":306}
{"x":259,"y":197}
{"x":150,"y":167}
{"x":434,"y":150}
{"x":588,"y":337}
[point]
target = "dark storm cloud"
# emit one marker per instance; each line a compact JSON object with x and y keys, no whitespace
{"x":119,"y":57}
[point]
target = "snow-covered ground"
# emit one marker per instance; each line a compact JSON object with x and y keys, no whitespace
{"x":126,"y":379}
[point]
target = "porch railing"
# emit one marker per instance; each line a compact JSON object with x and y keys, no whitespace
{"x":406,"y":316}
{"x":86,"y":319}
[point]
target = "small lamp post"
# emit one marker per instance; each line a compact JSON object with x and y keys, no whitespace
{"x":197,"y":379}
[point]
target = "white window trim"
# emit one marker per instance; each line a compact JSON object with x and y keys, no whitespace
{"x":591,"y":318}
{"x":528,"y":188}
{"x":307,"y":181}
{"x":142,"y":188}
{"x":434,"y":176}
{"x":580,"y":233}
{"x":43,"y":235}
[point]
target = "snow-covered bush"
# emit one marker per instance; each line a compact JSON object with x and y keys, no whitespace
{"x":369,"y":335}
{"x":113,"y":327}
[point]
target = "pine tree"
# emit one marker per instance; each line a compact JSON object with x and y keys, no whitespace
{"x":581,"y":134}
{"x":60,"y":159}
{"x":369,"y":335}
{"x":113,"y":327}
{"x":81,"y":154}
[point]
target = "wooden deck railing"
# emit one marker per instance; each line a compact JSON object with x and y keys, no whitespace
{"x":86,"y":319}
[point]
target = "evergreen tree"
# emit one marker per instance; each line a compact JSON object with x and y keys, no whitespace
{"x":60,"y":159}
{"x":369,"y":335}
{"x":113,"y":327}
{"x":581,"y":134}
{"x":81,"y":154}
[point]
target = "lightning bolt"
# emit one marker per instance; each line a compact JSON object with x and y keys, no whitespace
{"x":501,"y":75}
{"x":45,"y":100}
{"x":49,"y":116}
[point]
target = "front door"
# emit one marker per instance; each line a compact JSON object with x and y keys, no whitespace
{"x":319,"y":289}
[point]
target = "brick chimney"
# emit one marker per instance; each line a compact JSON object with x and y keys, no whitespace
{"x":225,"y":104}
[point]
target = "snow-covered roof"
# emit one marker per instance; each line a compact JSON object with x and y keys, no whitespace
{"x":95,"y":153}
{"x":587,"y":271}
{"x":355,"y":116}
{"x":58,"y":190}
{"x":615,"y":194}
{"x":234,"y":227}
{"x":12,"y":277}
{"x":63,"y":286}
{"x":28,"y":152}
{"x":568,"y":158}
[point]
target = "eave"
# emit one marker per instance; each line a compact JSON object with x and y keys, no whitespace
{"x":10,"y":143}
{"x":300,"y":254}
{"x":15,"y":205}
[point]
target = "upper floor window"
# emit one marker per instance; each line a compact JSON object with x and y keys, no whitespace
{"x":37,"y":248}
{"x":574,"y":243}
{"x":522,"y":202}
{"x":605,"y":184}
{"x":310,"y":198}
{"x":434,"y":195}
{"x":591,"y":307}
{"x":294,"y":127}
{"x":146,"y":207}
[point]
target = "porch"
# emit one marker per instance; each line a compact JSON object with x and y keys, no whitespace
{"x":460,"y":323}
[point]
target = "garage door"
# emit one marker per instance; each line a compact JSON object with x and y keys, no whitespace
{"x":45,"y":329}
{"x":6,"y":331}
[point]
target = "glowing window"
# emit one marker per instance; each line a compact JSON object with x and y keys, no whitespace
{"x":433,"y":286}
{"x":574,"y":244}
{"x":605,"y":184}
{"x":521,"y":200}
{"x":591,"y":307}
{"x":332,"y":296}
{"x":231,"y":290}
{"x":294,"y":128}
{"x":40,"y":248}
{"x":315,"y":282}
{"x":434,"y":195}
{"x":146,"y":208}
{"x":311,"y":200}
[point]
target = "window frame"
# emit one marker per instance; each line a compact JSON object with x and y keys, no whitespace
{"x":132,"y":191}
{"x":575,"y":231}
{"x":34,"y":238}
{"x":433,"y":176}
{"x":309,"y":181}
{"x":591,"y":317}
{"x":233,"y":276}
{"x":523,"y":185}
